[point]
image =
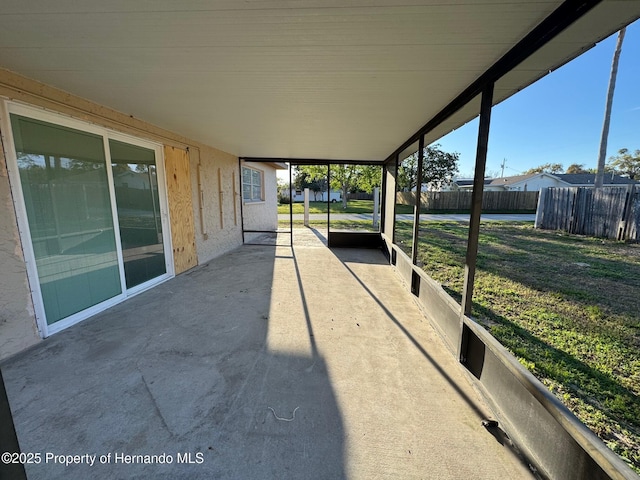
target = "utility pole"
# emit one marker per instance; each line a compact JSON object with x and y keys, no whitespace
{"x":607,"y":111}
{"x":504,"y":161}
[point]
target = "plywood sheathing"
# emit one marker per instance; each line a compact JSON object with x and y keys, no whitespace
{"x":180,"y":209}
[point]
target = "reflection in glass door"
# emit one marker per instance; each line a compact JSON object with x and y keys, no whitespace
{"x":136,"y":188}
{"x":63,"y":174}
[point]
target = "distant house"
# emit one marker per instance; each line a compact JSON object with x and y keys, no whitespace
{"x":537,"y":181}
{"x":464,"y":184}
{"x":298,"y":196}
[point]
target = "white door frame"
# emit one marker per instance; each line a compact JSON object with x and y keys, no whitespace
{"x":6,"y":108}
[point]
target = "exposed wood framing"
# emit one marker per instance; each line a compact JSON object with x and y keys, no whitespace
{"x":201,"y":201}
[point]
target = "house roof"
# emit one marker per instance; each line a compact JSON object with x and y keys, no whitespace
{"x":329,"y":79}
{"x":568,"y":178}
{"x":464,"y":182}
{"x":589,"y":179}
{"x":278,"y":165}
{"x":514,"y":179}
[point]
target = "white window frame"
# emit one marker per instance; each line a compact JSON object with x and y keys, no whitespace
{"x":8,"y":107}
{"x":251,"y":185}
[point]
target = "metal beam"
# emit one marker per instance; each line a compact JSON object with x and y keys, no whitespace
{"x":395,"y":195}
{"x":416,"y":208}
{"x":476,"y":210}
{"x":290,"y":205}
{"x":550,"y":27}
{"x":312,"y":161}
{"x":383,"y":198}
{"x":241,"y":198}
{"x":328,"y":202}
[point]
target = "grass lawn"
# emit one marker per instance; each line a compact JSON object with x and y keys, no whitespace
{"x":353,"y":206}
{"x":358,"y":225}
{"x":568,"y":307}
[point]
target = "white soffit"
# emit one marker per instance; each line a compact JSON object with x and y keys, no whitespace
{"x":286,"y":79}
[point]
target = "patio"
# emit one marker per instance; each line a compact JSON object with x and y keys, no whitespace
{"x":268,"y":362}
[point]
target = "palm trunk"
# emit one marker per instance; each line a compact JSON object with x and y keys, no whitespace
{"x":607,"y":112}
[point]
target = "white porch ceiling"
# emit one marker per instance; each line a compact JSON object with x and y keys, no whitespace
{"x":336,"y":79}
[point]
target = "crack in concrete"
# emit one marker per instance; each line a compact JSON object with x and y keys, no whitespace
{"x":155,"y":404}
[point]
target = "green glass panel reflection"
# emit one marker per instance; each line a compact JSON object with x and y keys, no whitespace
{"x":136,"y":188}
{"x":65,"y":188}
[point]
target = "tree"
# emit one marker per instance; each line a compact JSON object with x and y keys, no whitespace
{"x":626,"y":164}
{"x":546,"y":168}
{"x":438,"y":168}
{"x":369,"y":177}
{"x":607,"y":111}
{"x":576,"y":168}
{"x":306,"y":179}
{"x":346,"y":178}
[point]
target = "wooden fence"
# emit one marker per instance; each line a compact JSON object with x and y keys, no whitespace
{"x":612,"y":212}
{"x":359,"y":196}
{"x":460,"y":201}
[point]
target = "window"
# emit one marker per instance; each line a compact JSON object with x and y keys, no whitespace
{"x":252,"y":185}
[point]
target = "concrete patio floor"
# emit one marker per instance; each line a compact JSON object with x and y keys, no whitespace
{"x":267,"y":363}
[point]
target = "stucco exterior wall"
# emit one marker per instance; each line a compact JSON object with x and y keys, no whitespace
{"x":17,"y":320}
{"x":213,"y":173}
{"x":216,"y":201}
{"x":263,"y":215}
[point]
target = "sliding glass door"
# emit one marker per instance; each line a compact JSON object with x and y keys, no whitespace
{"x":93,"y":205}
{"x":137,"y":198}
{"x":63,"y":174}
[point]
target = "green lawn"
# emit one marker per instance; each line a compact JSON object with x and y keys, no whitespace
{"x":568,"y":307}
{"x":353,"y":206}
{"x":351,"y":225}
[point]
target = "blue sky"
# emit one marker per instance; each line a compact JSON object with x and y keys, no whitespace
{"x":559,"y":118}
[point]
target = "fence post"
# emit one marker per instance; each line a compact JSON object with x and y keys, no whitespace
{"x":540,"y":209}
{"x":625,"y":221}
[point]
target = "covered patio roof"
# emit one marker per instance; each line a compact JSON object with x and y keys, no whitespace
{"x":305,"y":79}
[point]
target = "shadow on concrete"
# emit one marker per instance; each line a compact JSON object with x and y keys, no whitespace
{"x":350,"y":256}
{"x":184,"y":371}
{"x":346,"y":257}
{"x":310,"y":236}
